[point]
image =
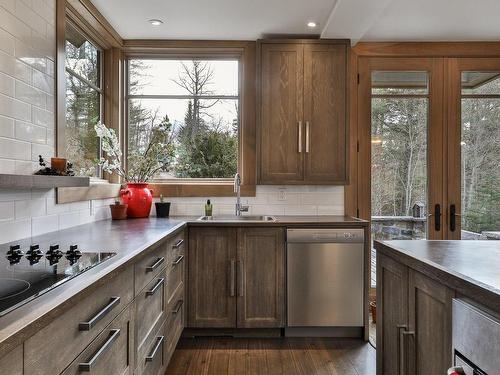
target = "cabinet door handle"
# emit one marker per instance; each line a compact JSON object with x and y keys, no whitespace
{"x":308,"y":136}
{"x":153,"y":290}
{"x":437,"y":217}
{"x":155,"y":265}
{"x":87,"y":326}
{"x":232,"y":276}
{"x":178,"y":244}
{"x":87,"y":366}
{"x":300,"y":137}
{"x":158,"y":344}
{"x":411,"y":365}
{"x":178,"y":260}
{"x":401,"y":329}
{"x":453,"y":217}
{"x":241,"y":278}
{"x":177,"y":307}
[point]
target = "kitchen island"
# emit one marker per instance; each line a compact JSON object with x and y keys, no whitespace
{"x":417,"y":284}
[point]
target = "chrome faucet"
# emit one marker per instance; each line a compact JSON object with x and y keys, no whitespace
{"x":237,"y":188}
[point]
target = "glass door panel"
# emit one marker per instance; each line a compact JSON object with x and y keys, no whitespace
{"x":480,"y":155}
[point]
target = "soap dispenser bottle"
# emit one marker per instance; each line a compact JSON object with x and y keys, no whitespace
{"x":208,"y":208}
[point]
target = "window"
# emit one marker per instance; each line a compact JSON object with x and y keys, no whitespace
{"x":193,"y":107}
{"x":83,"y":101}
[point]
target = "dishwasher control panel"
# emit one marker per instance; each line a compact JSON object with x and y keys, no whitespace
{"x":309,"y":235}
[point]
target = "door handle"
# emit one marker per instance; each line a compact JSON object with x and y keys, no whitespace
{"x":241,"y":278}
{"x":401,"y":328}
{"x":300,"y":137}
{"x":156,"y":347}
{"x":453,"y":217}
{"x":308,"y":136}
{"x":437,"y":217}
{"x":153,"y":290}
{"x":232,"y":276}
{"x":87,"y":366}
{"x":87,"y":326}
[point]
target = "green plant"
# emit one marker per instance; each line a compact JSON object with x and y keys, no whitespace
{"x":161,"y":198}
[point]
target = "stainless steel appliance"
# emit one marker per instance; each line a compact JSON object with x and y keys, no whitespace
{"x":325,"y":277}
{"x":29,"y":270}
{"x":476,"y":340}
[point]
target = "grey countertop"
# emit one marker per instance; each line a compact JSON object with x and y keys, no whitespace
{"x":128,"y":238}
{"x":470,"y":267}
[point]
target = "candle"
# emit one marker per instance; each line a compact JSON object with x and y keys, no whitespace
{"x":59,"y":164}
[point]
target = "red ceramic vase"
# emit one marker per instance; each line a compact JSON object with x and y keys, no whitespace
{"x":138,"y":197}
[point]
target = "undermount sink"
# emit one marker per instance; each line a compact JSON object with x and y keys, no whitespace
{"x":229,"y":218}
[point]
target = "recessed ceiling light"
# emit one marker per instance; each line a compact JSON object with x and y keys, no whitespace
{"x":312,"y":25}
{"x":155,"y":22}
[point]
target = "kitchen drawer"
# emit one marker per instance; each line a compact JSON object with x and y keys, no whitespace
{"x":175,"y":325}
{"x":150,"y":307}
{"x":151,"y":355}
{"x":110,"y":352}
{"x":150,"y":264}
{"x":12,"y":362}
{"x":56,"y":345}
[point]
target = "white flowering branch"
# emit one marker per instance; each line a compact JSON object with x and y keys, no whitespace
{"x":110,"y":145}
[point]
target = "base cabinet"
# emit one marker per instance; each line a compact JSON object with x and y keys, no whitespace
{"x":12,"y":362}
{"x":414,"y":325}
{"x":236,"y":277}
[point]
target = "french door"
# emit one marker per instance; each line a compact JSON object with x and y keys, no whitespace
{"x":429,"y":147}
{"x":401,"y":162}
{"x":473,"y":142}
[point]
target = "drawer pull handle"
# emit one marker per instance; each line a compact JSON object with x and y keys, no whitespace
{"x":155,"y":265}
{"x":178,"y":260}
{"x":178,"y":244}
{"x":177,"y":307}
{"x":153,"y":290}
{"x":87,"y":366}
{"x":159,"y":343}
{"x":87,"y":326}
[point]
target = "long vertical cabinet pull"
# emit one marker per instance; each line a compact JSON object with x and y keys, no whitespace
{"x":401,"y":329}
{"x":308,"y":136}
{"x":300,"y":137}
{"x":241,"y":277}
{"x":232,"y":276}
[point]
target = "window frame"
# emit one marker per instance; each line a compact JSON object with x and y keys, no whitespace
{"x":61,"y":131}
{"x":245,"y":53}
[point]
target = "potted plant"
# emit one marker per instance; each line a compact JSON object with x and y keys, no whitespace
{"x":142,"y":165}
{"x":118,"y":210}
{"x":162,"y":208}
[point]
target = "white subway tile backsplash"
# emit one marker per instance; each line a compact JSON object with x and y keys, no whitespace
{"x":44,"y":224}
{"x":7,"y":42}
{"x":7,"y":211}
{"x":14,"y":108}
{"x":27,"y":132}
{"x":14,"y":230}
{"x":43,"y":82}
{"x":6,"y":127}
{"x":30,"y":95}
{"x":14,"y":26}
{"x":6,"y":84}
{"x":43,"y":117}
{"x":12,"y":149}
{"x":46,"y":151}
{"x":7,"y":166}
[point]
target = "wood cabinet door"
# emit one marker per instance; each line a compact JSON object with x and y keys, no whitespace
{"x":281,"y":127}
{"x":429,"y":348}
{"x":325,"y":75}
{"x":261,"y":278}
{"x":392,"y":313}
{"x":211,"y":279}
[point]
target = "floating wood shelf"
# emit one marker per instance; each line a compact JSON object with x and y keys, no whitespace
{"x":41,"y":182}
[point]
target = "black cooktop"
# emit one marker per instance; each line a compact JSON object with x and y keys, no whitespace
{"x":28,"y":271}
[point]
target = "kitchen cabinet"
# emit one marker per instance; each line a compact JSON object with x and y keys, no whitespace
{"x":12,"y":362}
{"x":303,"y":117}
{"x":261,"y":279}
{"x":211,"y":277}
{"x":414,"y":321}
{"x":236,"y":277}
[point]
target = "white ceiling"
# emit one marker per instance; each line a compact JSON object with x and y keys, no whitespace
{"x":358,"y":20}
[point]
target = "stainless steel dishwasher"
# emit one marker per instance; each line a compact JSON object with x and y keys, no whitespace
{"x":325,"y":277}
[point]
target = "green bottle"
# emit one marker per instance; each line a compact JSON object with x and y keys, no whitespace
{"x":208,"y":208}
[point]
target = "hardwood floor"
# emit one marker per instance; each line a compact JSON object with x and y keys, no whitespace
{"x":308,"y":356}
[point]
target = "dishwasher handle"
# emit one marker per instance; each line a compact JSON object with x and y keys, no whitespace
{"x":322,"y":235}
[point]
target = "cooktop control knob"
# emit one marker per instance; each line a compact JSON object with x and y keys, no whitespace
{"x":14,"y":254}
{"x":34,"y":254}
{"x":73,"y":254}
{"x":53,"y":254}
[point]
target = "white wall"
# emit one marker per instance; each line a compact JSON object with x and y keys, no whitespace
{"x":27,"y":81}
{"x":27,"y":125}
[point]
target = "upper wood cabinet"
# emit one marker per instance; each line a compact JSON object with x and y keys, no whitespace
{"x":303,"y":91}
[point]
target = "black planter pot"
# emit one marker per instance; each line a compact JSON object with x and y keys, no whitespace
{"x":162,"y":209}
